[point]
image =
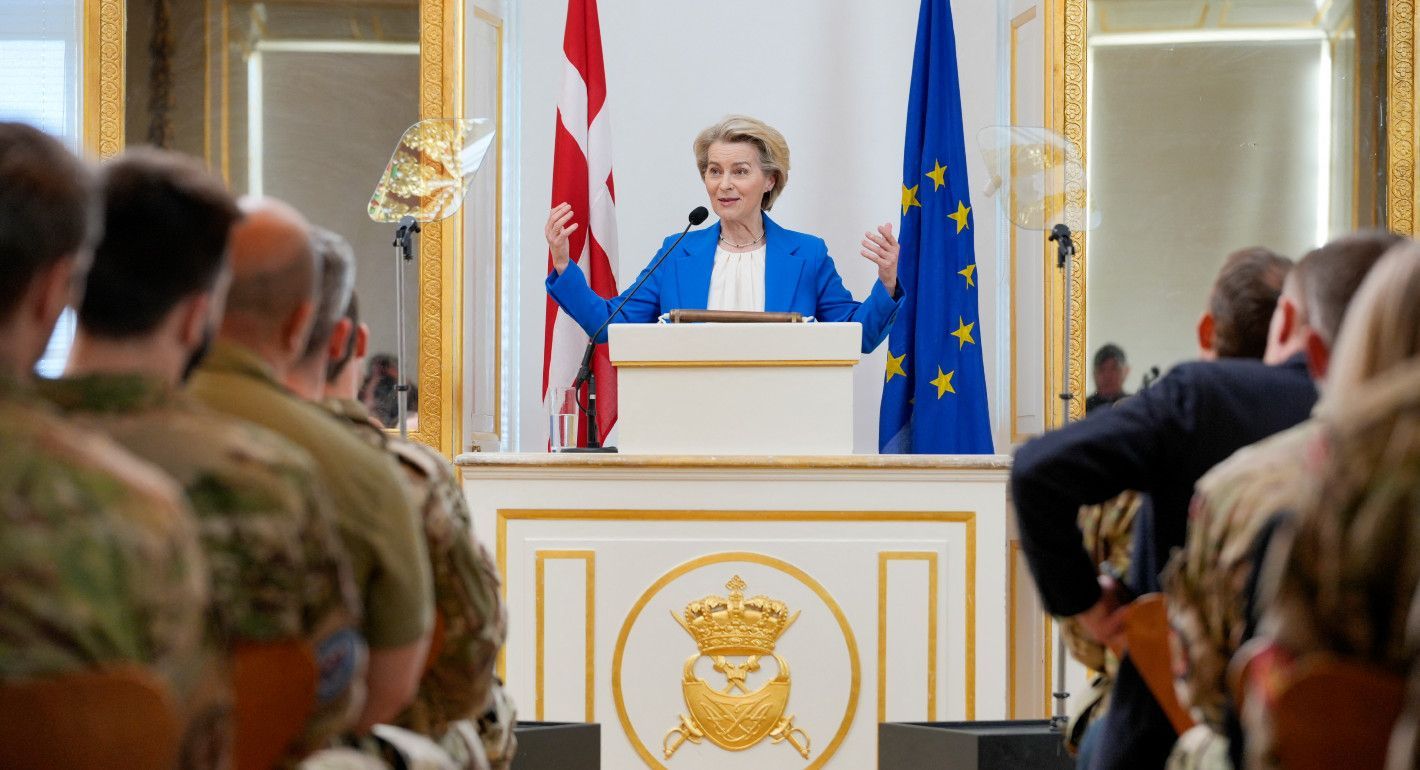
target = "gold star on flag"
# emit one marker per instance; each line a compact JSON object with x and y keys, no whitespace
{"x":937,"y":175}
{"x":960,"y":216}
{"x":909,"y":198}
{"x":967,"y":273}
{"x":894,"y":366}
{"x":963,"y":333}
{"x":944,"y":382}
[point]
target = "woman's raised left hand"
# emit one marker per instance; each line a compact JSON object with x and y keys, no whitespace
{"x":881,"y":248}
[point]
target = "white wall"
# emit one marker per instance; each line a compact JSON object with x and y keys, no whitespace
{"x":831,"y":74}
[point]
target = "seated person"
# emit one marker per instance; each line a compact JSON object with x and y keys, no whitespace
{"x":1111,"y":370}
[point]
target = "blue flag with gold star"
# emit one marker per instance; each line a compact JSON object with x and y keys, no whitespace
{"x":934,"y":390}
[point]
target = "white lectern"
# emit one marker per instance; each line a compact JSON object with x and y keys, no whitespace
{"x":735,"y":388}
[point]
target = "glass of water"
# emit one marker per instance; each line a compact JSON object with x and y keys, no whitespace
{"x":564,"y":419}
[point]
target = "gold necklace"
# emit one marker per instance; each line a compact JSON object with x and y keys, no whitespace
{"x":740,"y":245}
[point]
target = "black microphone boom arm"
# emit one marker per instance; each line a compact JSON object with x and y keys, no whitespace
{"x":584,"y":373}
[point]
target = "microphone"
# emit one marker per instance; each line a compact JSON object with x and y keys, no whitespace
{"x":697,"y":215}
{"x":1061,"y":235}
{"x":584,"y":373}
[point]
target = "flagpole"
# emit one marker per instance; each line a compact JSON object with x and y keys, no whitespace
{"x":1065,"y":252}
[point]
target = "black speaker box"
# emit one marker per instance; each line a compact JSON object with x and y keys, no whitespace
{"x":558,"y":746}
{"x":1016,"y":745}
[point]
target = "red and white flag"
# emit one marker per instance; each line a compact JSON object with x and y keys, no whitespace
{"x":581,"y":176}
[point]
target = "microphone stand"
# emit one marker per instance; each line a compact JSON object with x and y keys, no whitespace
{"x":584,"y":373}
{"x":1065,"y":250}
{"x":403,"y":252}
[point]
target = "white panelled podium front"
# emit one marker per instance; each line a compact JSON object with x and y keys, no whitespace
{"x":727,"y":388}
{"x":736,"y":589}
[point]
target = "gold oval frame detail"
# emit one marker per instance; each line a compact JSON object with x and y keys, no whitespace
{"x":753,"y":558}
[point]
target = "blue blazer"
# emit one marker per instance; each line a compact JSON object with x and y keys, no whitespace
{"x":799,"y":277}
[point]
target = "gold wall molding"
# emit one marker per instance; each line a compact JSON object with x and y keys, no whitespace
{"x":105,"y":22}
{"x":440,"y":272}
{"x":1400,"y":117}
{"x":719,"y":558}
{"x":932,"y":560}
{"x":441,"y":42}
{"x":540,"y":591}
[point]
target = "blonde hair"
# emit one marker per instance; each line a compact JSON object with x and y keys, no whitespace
{"x":772,"y":149}
{"x":1382,"y":325}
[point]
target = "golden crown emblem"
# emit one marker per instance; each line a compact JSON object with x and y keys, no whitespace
{"x":736,"y":625}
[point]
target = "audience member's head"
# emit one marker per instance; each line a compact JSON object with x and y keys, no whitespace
{"x":329,"y":330}
{"x":1316,"y":293}
{"x":346,"y":363}
{"x":1111,"y":370}
{"x":275,"y":278}
{"x":1382,"y":326}
{"x":48,"y":221}
{"x":1241,"y":303}
{"x":160,"y":271}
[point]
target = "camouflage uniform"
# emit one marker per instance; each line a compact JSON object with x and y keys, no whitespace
{"x":100,"y":564}
{"x":1207,"y":582}
{"x":1343,"y":577}
{"x":278,"y":569}
{"x":1108,"y":533}
{"x":374,"y":517}
{"x":471,"y":622}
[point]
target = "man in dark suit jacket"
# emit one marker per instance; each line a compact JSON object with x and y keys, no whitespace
{"x":1160,"y":442}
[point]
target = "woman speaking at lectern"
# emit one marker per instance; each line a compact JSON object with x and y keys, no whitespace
{"x":743,"y":262}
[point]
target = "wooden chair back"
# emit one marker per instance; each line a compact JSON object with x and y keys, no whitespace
{"x":1146,"y":630}
{"x":119,"y":716}
{"x":274,"y":695}
{"x":1334,"y":713}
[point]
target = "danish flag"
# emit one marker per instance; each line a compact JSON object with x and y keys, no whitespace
{"x":581,"y":176}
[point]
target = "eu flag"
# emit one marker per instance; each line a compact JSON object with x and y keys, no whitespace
{"x":934,"y":391}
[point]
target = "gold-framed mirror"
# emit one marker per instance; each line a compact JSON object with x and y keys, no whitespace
{"x":193,"y":75}
{"x":1207,"y":126}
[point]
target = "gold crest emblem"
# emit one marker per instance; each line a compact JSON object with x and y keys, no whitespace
{"x":735,"y":633}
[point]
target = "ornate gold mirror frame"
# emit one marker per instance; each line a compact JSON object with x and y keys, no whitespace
{"x":1067,"y":44}
{"x":441,"y":56}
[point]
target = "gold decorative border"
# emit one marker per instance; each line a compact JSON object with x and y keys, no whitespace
{"x":966,"y":518}
{"x":590,"y":558}
{"x":1072,"y":80}
{"x":105,"y":22}
{"x":754,"y":558}
{"x":441,"y":92}
{"x":931,"y":558}
{"x":1400,"y":117}
{"x":1013,"y":552}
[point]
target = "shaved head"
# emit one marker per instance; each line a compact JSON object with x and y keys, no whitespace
{"x":274,"y":268}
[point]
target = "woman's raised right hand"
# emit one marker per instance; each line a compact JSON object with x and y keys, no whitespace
{"x":557,"y":233}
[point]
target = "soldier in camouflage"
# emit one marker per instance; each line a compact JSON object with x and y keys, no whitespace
{"x":279,"y":571}
{"x":261,"y":370}
{"x":1340,"y":575}
{"x":100,"y":562}
{"x":458,"y":685}
{"x":1211,"y":581}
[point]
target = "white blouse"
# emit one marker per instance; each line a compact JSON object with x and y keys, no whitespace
{"x":737,"y":281}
